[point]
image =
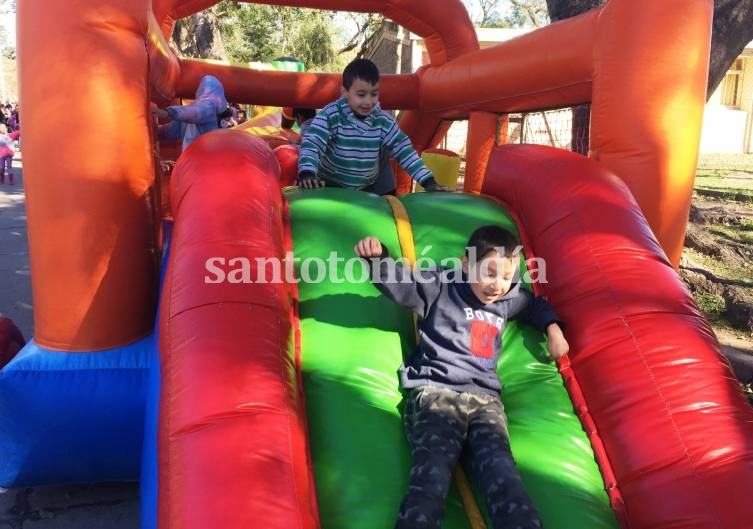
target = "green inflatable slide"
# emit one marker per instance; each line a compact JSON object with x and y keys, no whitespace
{"x":353,"y":340}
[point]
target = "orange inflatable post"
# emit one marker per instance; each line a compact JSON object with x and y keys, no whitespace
{"x":88,"y":171}
{"x":482,"y":138}
{"x":648,"y":105}
{"x":504,"y":129}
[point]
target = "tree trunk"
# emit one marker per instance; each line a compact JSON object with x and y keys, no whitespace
{"x":562,"y":9}
{"x":581,"y":129}
{"x":199,"y":36}
{"x":733,"y":29}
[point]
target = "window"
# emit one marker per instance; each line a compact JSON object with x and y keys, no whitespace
{"x":732,"y":85}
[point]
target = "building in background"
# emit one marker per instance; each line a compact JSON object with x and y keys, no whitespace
{"x":728,"y":118}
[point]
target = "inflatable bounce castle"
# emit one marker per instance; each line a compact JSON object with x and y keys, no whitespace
{"x":276,"y":405}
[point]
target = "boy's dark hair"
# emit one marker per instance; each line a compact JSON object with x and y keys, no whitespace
{"x":305,"y":113}
{"x":492,"y":238}
{"x":362,"y":69}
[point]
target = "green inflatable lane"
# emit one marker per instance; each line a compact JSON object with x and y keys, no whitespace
{"x":353,"y":341}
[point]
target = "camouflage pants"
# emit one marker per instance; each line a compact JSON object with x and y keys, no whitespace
{"x":440,"y":424}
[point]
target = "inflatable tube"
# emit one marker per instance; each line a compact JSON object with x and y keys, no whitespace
{"x":287,"y":156}
{"x":279,"y":89}
{"x":231,"y":413}
{"x":72,"y":418}
{"x":645,"y":369}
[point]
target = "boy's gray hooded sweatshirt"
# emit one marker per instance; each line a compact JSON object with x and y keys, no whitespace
{"x":460,"y":337}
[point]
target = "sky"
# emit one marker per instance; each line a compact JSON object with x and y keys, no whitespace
{"x":8,"y":21}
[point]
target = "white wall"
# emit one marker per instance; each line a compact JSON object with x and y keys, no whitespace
{"x":723,"y":130}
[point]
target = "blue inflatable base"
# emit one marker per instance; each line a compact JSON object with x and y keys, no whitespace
{"x":73,"y":417}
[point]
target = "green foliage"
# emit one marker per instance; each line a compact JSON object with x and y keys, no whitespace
{"x":256,"y":32}
{"x":515,"y":18}
{"x":712,"y":305}
{"x":246,"y":31}
{"x":314,"y":44}
{"x":494,"y":20}
{"x":7,"y":49}
{"x":507,"y":13}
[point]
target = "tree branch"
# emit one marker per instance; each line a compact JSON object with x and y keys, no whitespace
{"x":533,"y":12}
{"x":360,"y":34}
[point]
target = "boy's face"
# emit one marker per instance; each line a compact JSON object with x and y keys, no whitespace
{"x":362,"y":96}
{"x":491,"y":277}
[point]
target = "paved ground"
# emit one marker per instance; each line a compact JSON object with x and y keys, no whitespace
{"x":103,"y":506}
{"x":15,"y":284}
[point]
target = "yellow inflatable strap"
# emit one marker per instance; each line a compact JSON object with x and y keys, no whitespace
{"x":404,"y":230}
{"x":408,"y":249}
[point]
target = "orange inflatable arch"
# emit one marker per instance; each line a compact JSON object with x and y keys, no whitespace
{"x":87,"y":77}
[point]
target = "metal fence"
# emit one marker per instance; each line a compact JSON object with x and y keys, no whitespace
{"x":564,"y":128}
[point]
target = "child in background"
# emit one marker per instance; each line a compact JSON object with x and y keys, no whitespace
{"x":341,"y":147}
{"x":453,"y":402}
{"x":6,"y":152}
{"x":286,"y":118}
{"x":201,"y":116}
{"x":228,"y":118}
{"x":303,"y":117}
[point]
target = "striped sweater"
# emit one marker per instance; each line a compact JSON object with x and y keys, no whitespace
{"x":343,"y":150}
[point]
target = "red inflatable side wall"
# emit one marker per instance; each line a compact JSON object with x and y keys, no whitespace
{"x":230,"y":391}
{"x":655,"y":389}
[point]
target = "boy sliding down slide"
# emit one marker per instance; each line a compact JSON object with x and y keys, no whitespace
{"x":453,"y":392}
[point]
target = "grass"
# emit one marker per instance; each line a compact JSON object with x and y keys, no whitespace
{"x":712,"y":305}
{"x":721,"y":269}
{"x":726,"y":163}
{"x":727,"y":176}
{"x":742,"y":234}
